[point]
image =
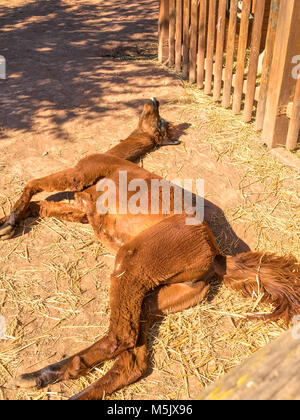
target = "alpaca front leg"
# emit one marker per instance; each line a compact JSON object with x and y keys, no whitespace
{"x":51,"y":183}
{"x":61,"y":211}
{"x":74,"y":179}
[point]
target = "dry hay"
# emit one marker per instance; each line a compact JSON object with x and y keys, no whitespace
{"x":297,"y":153}
{"x":54,"y":280}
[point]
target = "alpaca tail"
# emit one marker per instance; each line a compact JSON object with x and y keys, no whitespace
{"x":271,"y":279}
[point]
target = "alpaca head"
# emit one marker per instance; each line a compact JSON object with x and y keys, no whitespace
{"x":151,"y":123}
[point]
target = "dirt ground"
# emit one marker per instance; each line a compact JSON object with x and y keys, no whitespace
{"x":77,"y":75}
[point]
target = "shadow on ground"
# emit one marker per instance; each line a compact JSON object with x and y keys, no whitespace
{"x":57,"y":59}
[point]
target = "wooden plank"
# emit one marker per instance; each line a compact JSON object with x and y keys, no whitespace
{"x":230,"y":54}
{"x":272,"y":373}
{"x":243,"y":38}
{"x":282,"y":85}
{"x":221,"y":25}
{"x":266,"y":23}
{"x":163,"y":31}
{"x":201,"y":43}
{"x":172,"y":32}
{"x":193,"y":41}
{"x":254,"y":57}
{"x":294,"y":127}
{"x":179,"y":26}
{"x":210,"y":46}
{"x":265,"y":76}
{"x":186,"y":37}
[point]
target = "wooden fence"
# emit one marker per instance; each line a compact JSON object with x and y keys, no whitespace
{"x":270,"y":374}
{"x":220,"y":45}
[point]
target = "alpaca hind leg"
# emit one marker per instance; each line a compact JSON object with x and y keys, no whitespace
{"x":135,"y":275}
{"x":131,"y":364}
{"x":122,"y":335}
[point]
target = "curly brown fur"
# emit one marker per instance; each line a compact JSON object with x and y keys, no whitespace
{"x":276,"y":278}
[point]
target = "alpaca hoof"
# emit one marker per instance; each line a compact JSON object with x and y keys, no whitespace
{"x":7,"y":230}
{"x":39,"y":379}
{"x":25,"y":381}
{"x":10,"y":235}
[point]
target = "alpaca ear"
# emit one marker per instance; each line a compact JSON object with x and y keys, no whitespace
{"x":168,"y":134}
{"x":157,"y":137}
{"x":156,"y":102}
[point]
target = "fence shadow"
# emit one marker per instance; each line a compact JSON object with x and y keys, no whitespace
{"x":54,"y":59}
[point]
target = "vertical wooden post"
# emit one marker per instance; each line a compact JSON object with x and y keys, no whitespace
{"x":186,"y":37}
{"x":243,"y":38}
{"x":201,"y":43}
{"x":294,"y":127}
{"x":221,"y":25}
{"x":210,"y":46}
{"x":163,"y":31}
{"x":265,"y":76}
{"x":193,"y":44}
{"x":230,"y":54}
{"x":172,"y":33}
{"x":254,"y":56}
{"x":178,"y":45}
{"x":282,"y":84}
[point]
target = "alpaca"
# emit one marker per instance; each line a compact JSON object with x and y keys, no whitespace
{"x":163,"y":264}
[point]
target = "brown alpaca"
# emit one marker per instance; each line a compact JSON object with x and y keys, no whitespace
{"x":162,"y":265}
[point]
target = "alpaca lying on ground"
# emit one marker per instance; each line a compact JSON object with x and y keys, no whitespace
{"x":163,"y":264}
